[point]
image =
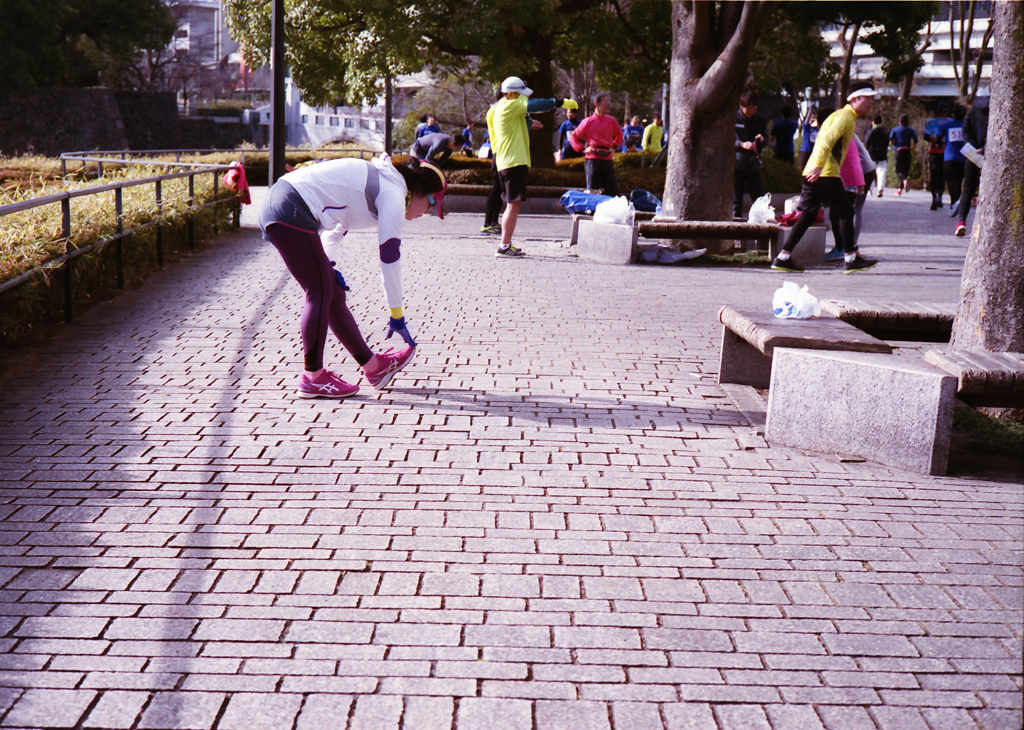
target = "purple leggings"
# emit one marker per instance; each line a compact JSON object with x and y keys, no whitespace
{"x":303,"y":254}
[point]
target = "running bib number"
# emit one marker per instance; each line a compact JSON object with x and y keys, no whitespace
{"x":955,"y":135}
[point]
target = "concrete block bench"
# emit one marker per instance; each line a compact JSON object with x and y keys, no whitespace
{"x":640,"y":215}
{"x":606,"y":242}
{"x":892,"y":410}
{"x":984,"y":379}
{"x":905,"y":321}
{"x":750,"y":338}
{"x":809,"y":252}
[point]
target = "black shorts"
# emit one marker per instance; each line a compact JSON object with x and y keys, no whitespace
{"x":513,"y":183}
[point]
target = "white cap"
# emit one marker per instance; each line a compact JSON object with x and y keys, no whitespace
{"x":514,"y":83}
{"x":866,"y":91}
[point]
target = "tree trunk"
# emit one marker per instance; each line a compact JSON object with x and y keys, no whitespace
{"x":991,"y":313}
{"x":542,"y":81}
{"x":708,"y":67}
{"x":844,"y":75}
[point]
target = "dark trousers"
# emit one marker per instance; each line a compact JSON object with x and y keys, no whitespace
{"x":492,"y":213}
{"x":303,"y":254}
{"x":938,"y":179}
{"x":745,"y":181}
{"x":953,"y":171}
{"x":601,"y":175}
{"x":813,"y":196}
{"x":903,"y":164}
{"x":804,"y":157}
{"x":971,"y":177}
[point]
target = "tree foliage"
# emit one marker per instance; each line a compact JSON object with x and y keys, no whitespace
{"x":75,"y":42}
{"x":793,"y":55}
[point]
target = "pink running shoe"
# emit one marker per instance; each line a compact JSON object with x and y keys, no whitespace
{"x":326,"y":385}
{"x":389,"y":363}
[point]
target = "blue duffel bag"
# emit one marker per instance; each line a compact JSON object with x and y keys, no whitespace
{"x":643,"y":200}
{"x":577,"y":201}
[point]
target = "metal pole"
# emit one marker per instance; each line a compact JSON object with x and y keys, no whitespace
{"x":277,"y":109}
{"x":159,"y":225}
{"x":387,"y":114}
{"x":118,"y":208}
{"x":69,"y":267}
{"x":192,"y":212}
{"x":216,"y":208}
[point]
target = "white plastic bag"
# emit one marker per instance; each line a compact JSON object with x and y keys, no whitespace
{"x":615,"y":211}
{"x":762,"y":211}
{"x":791,"y":301}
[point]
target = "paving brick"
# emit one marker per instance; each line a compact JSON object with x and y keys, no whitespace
{"x":793,"y":717}
{"x":249,"y":711}
{"x":428,"y":713}
{"x":116,"y":710}
{"x":376,"y":713}
{"x":49,"y":708}
{"x":689,"y":716}
{"x":575,"y":715}
{"x":483,"y":713}
{"x":636,"y":716}
{"x":324,"y":710}
{"x":192,"y":710}
{"x":733,"y":717}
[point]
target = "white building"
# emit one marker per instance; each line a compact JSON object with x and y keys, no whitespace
{"x":936,"y":78}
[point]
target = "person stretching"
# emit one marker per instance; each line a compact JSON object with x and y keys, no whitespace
{"x":510,"y":138}
{"x":338,"y":196}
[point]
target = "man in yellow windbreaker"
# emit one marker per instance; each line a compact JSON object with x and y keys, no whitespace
{"x":510,"y":140}
{"x":822,"y":185}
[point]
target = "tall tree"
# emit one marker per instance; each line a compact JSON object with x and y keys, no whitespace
{"x":711,"y":47}
{"x":991,"y":312}
{"x":961,"y":40}
{"x":76,"y":42}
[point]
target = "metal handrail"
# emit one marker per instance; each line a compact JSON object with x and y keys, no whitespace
{"x":71,"y":253}
{"x":122,"y":156}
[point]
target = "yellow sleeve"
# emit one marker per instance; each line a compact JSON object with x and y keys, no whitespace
{"x":836,"y":127}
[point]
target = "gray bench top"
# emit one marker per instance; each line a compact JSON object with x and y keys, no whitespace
{"x":766,"y":332}
{"x":875,"y":315}
{"x":982,"y":373}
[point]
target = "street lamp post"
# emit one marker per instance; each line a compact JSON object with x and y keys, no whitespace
{"x":277,"y":109}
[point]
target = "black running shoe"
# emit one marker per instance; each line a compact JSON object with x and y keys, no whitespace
{"x":858,"y":264}
{"x":787,"y":265}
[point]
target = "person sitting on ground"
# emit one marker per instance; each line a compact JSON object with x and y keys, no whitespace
{"x":335,"y":197}
{"x":598,"y":136}
{"x":822,"y":184}
{"x":436,"y":148}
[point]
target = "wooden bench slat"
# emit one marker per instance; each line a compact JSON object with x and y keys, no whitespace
{"x":766,"y":332}
{"x":979,"y":372}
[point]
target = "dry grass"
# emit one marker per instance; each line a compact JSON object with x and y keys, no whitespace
{"x":32,"y":237}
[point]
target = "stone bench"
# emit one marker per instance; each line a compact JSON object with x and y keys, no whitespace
{"x":904,"y":321}
{"x":892,"y":410}
{"x":984,"y":379}
{"x":750,"y":337}
{"x":640,"y":215}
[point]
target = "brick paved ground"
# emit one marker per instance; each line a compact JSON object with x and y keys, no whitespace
{"x":554,"y":519}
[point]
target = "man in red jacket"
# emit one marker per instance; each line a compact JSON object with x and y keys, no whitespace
{"x":597,"y":137}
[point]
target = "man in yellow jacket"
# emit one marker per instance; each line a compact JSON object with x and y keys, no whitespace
{"x":822,"y":185}
{"x":509,"y":126}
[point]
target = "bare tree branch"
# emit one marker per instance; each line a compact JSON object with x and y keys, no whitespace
{"x":719,"y":81}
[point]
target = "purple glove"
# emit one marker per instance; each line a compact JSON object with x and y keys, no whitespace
{"x":398,"y":325}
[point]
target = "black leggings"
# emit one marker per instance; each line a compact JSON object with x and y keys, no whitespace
{"x":953,"y":171}
{"x":972,"y":174}
{"x":938,"y":179}
{"x":493,"y":210}
{"x":303,"y":254}
{"x":903,"y":156}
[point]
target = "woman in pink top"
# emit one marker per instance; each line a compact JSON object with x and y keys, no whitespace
{"x":597,"y":137}
{"x":852,"y":174}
